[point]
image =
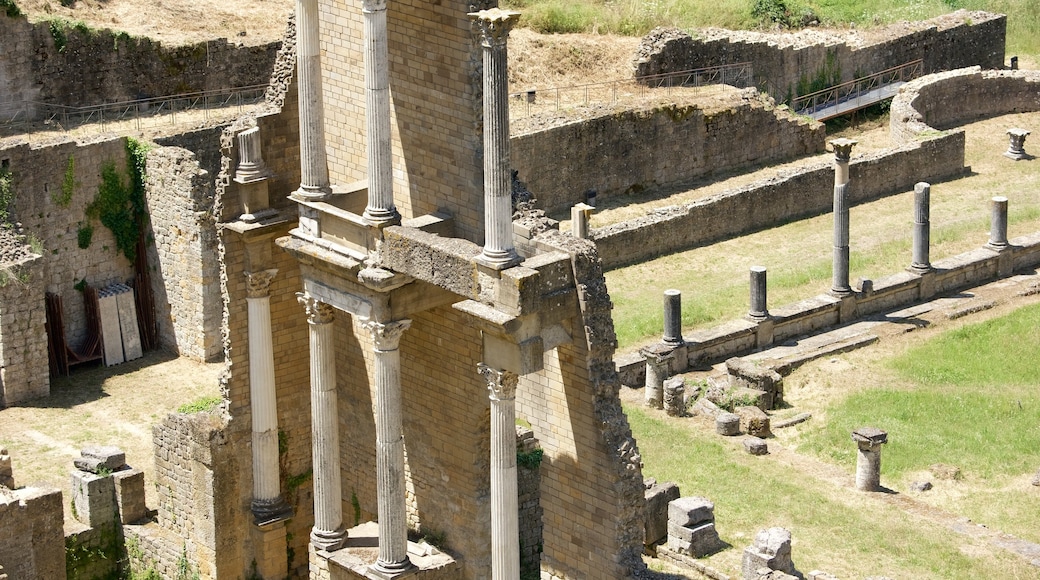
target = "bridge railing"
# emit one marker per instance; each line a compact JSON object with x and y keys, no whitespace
{"x":812,"y":102}
{"x":133,"y":115}
{"x":526,"y":103}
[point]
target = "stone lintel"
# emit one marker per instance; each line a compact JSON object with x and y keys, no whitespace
{"x":264,"y":227}
{"x":521,"y":357}
{"x":870,"y":435}
{"x":382,"y":280}
{"x":316,"y":252}
{"x":446,"y":262}
{"x":350,"y":303}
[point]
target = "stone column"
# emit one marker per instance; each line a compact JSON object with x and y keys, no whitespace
{"x":390,"y":481}
{"x":922,"y":226}
{"x":499,"y":252}
{"x":505,"y":530}
{"x":327,"y":533}
{"x":868,"y":460}
{"x":380,"y":210}
{"x":673,"y":317}
{"x":1016,"y":147}
{"x":657,"y":359}
{"x":580,"y":220}
{"x":251,"y":164}
{"x":314,"y":168}
{"x":267,"y":504}
{"x":998,"y":223}
{"x":840,"y":273}
{"x":758,"y":310}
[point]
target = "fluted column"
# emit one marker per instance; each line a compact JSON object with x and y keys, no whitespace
{"x":499,"y":251}
{"x":840,"y":273}
{"x":390,"y":481}
{"x":314,"y":168}
{"x":380,"y":209}
{"x":922,"y":229}
{"x":328,"y":532}
{"x":267,"y":503}
{"x":505,"y":529}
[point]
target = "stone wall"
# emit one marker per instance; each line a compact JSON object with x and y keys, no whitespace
{"x":792,"y":64}
{"x":632,"y":151}
{"x":185,"y":271}
{"x":32,"y":544}
{"x":806,"y":192}
{"x":103,"y":66}
{"x":529,"y":501}
{"x":53,"y":212}
{"x":24,"y":372}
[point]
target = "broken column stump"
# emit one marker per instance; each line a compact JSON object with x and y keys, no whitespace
{"x":691,"y":527}
{"x":868,"y":459}
{"x":772,"y":550}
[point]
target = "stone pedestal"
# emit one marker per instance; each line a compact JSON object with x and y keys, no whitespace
{"x":922,"y":229}
{"x":868,"y":459}
{"x":657,"y":360}
{"x":772,"y":550}
{"x":328,"y":533}
{"x":380,"y":210}
{"x":675,"y":397}
{"x":499,"y":252}
{"x":691,"y":527}
{"x":390,"y":480}
{"x":267,"y":503}
{"x":1016,"y":146}
{"x":580,"y":220}
{"x":93,"y":498}
{"x":505,"y":532}
{"x":314,"y":168}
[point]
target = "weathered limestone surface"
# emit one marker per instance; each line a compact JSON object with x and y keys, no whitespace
{"x":772,"y":550}
{"x":658,"y":498}
{"x":24,"y":373}
{"x":31,"y":540}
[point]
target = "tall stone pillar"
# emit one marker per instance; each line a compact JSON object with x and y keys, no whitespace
{"x":314,"y":168}
{"x":380,"y":209}
{"x":327,"y":533}
{"x":758,"y":309}
{"x":998,"y":223}
{"x":922,"y":225}
{"x":673,"y":317}
{"x":505,"y":530}
{"x":390,"y":481}
{"x":499,"y":252}
{"x":840,"y":272}
{"x":267,"y":504}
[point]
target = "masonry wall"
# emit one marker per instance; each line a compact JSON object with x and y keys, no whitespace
{"x":788,"y":65}
{"x":185,"y":271}
{"x":38,"y":174}
{"x":771,"y":202}
{"x":631,"y":151}
{"x":103,"y":66}
{"x":435,"y":88}
{"x":24,"y":372}
{"x":31,"y":541}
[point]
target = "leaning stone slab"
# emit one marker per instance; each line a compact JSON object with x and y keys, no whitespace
{"x":705,"y":407}
{"x":655,"y":523}
{"x":771,"y":549}
{"x":688,"y":512}
{"x":753,"y":421}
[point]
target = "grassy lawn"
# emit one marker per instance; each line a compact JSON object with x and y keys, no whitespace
{"x":637,"y":17}
{"x":714,"y":279}
{"x":964,"y":398}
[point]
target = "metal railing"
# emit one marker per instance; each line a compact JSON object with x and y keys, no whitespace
{"x":133,"y":115}
{"x":534,"y":101}
{"x":813,"y":102}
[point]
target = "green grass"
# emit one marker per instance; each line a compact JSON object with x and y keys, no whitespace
{"x":200,"y":405}
{"x":637,"y":17}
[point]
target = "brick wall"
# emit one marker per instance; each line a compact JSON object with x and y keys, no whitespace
{"x":24,"y":373}
{"x":31,"y":541}
{"x":103,"y":66}
{"x":631,"y":151}
{"x":787,"y":64}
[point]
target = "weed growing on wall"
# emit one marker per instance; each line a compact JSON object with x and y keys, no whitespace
{"x":10,"y":8}
{"x":119,"y":205}
{"x":68,"y":185}
{"x":6,"y":195}
{"x":57,"y":27}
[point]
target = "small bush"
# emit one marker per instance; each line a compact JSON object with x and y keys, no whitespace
{"x":200,"y":405}
{"x":10,"y":8}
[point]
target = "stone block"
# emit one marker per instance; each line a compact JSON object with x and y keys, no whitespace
{"x":655,"y":522}
{"x":6,"y":471}
{"x":129,"y":488}
{"x":771,"y":549}
{"x":698,"y":541}
{"x":727,"y":424}
{"x":705,"y":407}
{"x":688,"y":512}
{"x":755,"y":446}
{"x":93,"y":498}
{"x":753,"y":421}
{"x":818,"y":575}
{"x":111,"y":457}
{"x":750,"y":374}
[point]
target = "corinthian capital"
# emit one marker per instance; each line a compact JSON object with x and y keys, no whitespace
{"x":387,"y":335}
{"x":495,"y":25}
{"x":259,"y":283}
{"x":501,"y":384}
{"x":318,"y":312}
{"x":843,"y":149}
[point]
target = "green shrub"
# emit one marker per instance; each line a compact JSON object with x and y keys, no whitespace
{"x":200,"y":405}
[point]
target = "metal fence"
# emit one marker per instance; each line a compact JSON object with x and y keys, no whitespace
{"x":535,"y":101}
{"x":813,"y":102}
{"x":134,"y":115}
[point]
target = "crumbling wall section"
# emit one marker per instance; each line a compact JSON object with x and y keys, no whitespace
{"x":77,"y":66}
{"x":631,"y":151}
{"x":32,"y":544}
{"x":185,"y":276}
{"x":24,"y":372}
{"x":791,"y":64}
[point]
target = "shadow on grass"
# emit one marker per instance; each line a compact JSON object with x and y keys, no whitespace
{"x":86,"y":383}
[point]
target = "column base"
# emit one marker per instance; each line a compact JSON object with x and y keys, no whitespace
{"x":382,"y":571}
{"x":270,"y":511}
{"x":313,"y":194}
{"x":499,"y":260}
{"x":382,"y":218}
{"x":328,"y":541}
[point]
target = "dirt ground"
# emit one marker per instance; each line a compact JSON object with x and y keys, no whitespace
{"x":101,"y":406}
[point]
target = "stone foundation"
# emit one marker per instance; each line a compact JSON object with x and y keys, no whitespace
{"x":31,"y":541}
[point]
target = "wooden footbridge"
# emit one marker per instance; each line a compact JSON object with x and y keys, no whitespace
{"x":856,"y":94}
